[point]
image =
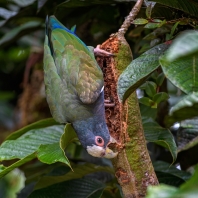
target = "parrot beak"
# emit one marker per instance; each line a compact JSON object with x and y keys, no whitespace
{"x":108,"y":152}
{"x":98,"y":151}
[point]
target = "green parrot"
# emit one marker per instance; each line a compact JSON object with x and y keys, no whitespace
{"x":75,"y":87}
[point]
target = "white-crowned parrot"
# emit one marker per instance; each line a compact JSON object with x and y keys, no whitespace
{"x":75,"y":87}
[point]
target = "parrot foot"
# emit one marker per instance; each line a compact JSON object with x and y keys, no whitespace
{"x":108,"y":104}
{"x":100,"y":52}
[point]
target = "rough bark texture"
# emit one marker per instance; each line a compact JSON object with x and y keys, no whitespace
{"x":133,"y":167}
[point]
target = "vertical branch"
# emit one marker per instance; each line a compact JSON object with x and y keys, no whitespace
{"x":133,"y":167}
{"x":129,"y":19}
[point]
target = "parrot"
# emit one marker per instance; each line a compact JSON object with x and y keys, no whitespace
{"x":74,"y":87}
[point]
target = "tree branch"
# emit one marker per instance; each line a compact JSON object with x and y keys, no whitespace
{"x":129,"y":19}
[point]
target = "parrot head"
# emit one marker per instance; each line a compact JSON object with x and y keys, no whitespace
{"x":94,"y":137}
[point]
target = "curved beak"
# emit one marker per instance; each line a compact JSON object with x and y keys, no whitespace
{"x":108,"y":152}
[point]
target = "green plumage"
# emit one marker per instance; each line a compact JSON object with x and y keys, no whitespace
{"x":74,"y":87}
{"x":72,"y":76}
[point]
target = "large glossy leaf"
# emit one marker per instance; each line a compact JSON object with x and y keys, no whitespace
{"x":17,"y":164}
{"x":37,"y":125}
{"x":48,"y":143}
{"x":139,"y":69}
{"x":76,"y":188}
{"x":168,"y":174}
{"x":190,"y":7}
{"x":184,"y":109}
{"x":68,"y":136}
{"x":161,"y":136}
{"x":78,"y":172}
{"x":51,"y":153}
{"x":183,"y":72}
{"x":30,"y":142}
{"x":188,"y":189}
{"x":184,"y":45}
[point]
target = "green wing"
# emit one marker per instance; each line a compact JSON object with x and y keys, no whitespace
{"x":77,"y":66}
{"x":72,"y":75}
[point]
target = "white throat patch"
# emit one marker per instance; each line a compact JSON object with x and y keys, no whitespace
{"x":98,"y":151}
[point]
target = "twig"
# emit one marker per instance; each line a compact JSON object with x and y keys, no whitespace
{"x":129,"y":19}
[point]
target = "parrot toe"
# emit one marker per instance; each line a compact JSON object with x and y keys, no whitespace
{"x":100,"y":52}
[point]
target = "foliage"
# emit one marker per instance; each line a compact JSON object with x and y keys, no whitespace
{"x":164,"y":41}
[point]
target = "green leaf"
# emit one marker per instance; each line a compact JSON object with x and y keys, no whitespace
{"x":146,"y":101}
{"x":183,"y":73}
{"x":23,"y":3}
{"x":37,"y":125}
{"x":166,"y":171}
{"x":76,"y":188}
{"x":184,"y":45}
{"x":191,"y":185}
{"x":161,"y":136}
{"x":30,"y":142}
{"x":151,"y":25}
{"x":160,"y":97}
{"x":17,"y":164}
{"x":162,"y":190}
{"x":149,"y":7}
{"x":19,"y":31}
{"x":68,"y":136}
{"x":188,"y":189}
{"x":52,"y":153}
{"x":147,"y":111}
{"x":155,"y":24}
{"x":6,"y":14}
{"x":189,"y":7}
{"x":162,"y":23}
{"x":150,"y":88}
{"x":140,"y":21}
{"x":169,"y":179}
{"x":173,"y":30}
{"x":187,"y":135}
{"x":184,"y":109}
{"x":189,"y":145}
{"x":160,"y":79}
{"x":157,"y":32}
{"x":138,"y":70}
{"x":79,"y":171}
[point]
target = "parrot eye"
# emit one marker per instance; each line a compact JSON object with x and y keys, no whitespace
{"x":99,"y":141}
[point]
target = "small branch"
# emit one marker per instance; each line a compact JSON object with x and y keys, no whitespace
{"x":129,"y":19}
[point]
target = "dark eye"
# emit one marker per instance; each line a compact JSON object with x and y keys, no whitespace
{"x":99,"y":141}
